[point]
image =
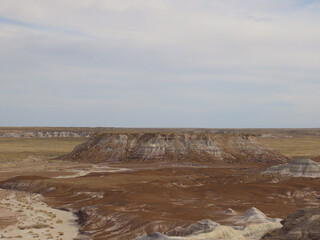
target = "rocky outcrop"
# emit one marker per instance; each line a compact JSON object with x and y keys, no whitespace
{"x":303,"y":224}
{"x":174,"y":146}
{"x":253,"y":215}
{"x":155,"y":236}
{"x":230,"y":211}
{"x":203,"y":226}
{"x":298,"y":167}
{"x":255,"y":224}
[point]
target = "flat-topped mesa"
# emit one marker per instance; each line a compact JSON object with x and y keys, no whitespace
{"x":126,"y":147}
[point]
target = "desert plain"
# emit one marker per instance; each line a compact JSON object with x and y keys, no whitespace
{"x":125,"y":184}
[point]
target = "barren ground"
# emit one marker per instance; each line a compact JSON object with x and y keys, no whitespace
{"x":121,"y":201}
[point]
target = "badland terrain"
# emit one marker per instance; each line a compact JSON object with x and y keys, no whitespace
{"x":125,"y":184}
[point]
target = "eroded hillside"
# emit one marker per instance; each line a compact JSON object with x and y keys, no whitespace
{"x":159,"y":181}
{"x":195,"y":147}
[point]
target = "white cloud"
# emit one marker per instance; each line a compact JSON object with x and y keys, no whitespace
{"x":126,"y":56}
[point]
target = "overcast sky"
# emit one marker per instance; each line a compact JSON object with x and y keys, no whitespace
{"x":160,"y":63}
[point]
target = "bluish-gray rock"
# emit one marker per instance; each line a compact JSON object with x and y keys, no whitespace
{"x":154,"y":236}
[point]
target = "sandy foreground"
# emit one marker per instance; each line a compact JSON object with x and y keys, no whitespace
{"x":24,"y":216}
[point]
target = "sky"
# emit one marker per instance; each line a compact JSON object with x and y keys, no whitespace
{"x":160,"y":63}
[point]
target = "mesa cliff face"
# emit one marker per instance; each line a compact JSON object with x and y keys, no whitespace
{"x":126,"y":147}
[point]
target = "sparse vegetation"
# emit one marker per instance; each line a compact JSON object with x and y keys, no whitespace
{"x":59,"y":221}
{"x":39,"y":226}
{"x":300,"y":146}
{"x":18,"y":149}
{"x":34,"y":226}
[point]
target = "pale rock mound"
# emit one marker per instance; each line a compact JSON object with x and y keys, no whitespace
{"x":256,"y":224}
{"x":298,"y":167}
{"x":253,"y":215}
{"x":251,"y":232}
{"x":230,"y":211}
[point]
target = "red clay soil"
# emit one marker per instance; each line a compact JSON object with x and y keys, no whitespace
{"x":127,"y":204}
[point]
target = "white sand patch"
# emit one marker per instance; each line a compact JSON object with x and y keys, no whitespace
{"x":98,"y":168}
{"x":35,"y":219}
